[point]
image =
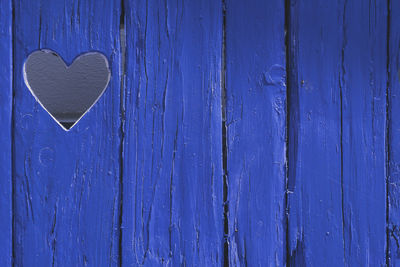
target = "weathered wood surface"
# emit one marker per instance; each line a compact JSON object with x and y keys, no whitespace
{"x":261,"y":133}
{"x":172,"y":153}
{"x":6,"y":68}
{"x":393,"y":140}
{"x":314,"y":126}
{"x":66,"y":193}
{"x":337,"y":158}
{"x":256,"y":123}
{"x":364,"y":77}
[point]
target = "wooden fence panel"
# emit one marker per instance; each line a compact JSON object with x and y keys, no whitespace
{"x":240,"y":133}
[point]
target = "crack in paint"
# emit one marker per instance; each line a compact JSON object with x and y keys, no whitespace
{"x":387,"y":136}
{"x":341,"y":88}
{"x":122,"y":125}
{"x":224,"y":140}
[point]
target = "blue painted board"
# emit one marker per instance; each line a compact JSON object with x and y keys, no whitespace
{"x":364,"y":84}
{"x":393,"y":141}
{"x":6,"y":69}
{"x":172,"y":150}
{"x":315,"y":38}
{"x":256,"y":132}
{"x":337,"y":167}
{"x":66,"y":193}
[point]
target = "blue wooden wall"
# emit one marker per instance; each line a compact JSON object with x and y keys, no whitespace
{"x":232,"y":133}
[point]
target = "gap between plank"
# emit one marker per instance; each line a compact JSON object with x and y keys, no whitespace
{"x":224,"y":139}
{"x":388,"y":132}
{"x":287,"y":130}
{"x":342,"y":82}
{"x":122,"y":41}
{"x":13,"y":137}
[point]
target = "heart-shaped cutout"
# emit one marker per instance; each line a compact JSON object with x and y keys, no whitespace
{"x":66,"y":92}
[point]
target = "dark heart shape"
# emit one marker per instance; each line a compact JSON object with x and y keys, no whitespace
{"x":66,"y":92}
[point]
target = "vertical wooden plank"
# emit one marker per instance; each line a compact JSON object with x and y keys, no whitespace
{"x":172,"y":183}
{"x":337,"y":145}
{"x":256,"y":121}
{"x":67,"y":183}
{"x":364,"y":79}
{"x":393,"y":123}
{"x":6,"y":132}
{"x":315,"y":230}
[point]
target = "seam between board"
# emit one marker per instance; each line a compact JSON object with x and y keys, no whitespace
{"x":287,"y":126}
{"x":13,"y":31}
{"x":388,"y":132}
{"x":122,"y":42}
{"x":122,"y":124}
{"x":224,"y":142}
{"x":342,"y":78}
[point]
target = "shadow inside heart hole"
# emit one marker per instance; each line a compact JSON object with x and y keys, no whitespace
{"x":66,"y":92}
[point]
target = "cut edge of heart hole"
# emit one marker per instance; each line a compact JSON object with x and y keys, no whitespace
{"x":67,"y":125}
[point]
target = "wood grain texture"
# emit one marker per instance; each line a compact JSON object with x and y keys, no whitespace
{"x":172,"y":154}
{"x":305,"y":91}
{"x":256,"y":121}
{"x":393,"y":143}
{"x":364,"y":77}
{"x":6,"y":68}
{"x":66,"y":202}
{"x":314,"y":162}
{"x":336,"y":185}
